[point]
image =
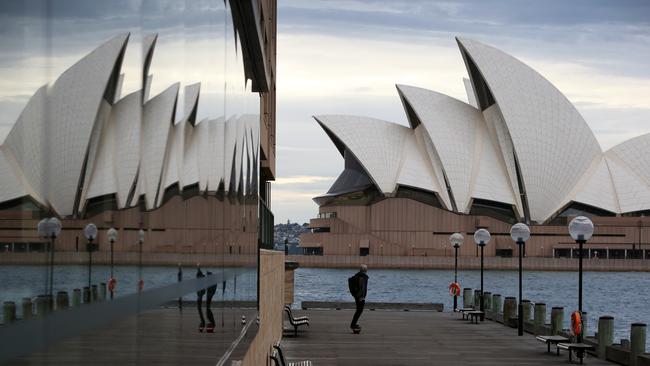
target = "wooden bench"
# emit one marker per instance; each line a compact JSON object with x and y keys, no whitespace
{"x":296,"y":322}
{"x":549,"y":340}
{"x":278,"y":358}
{"x":297,"y":318}
{"x":475,"y":315}
{"x":579,"y":348}
{"x":464,"y":312}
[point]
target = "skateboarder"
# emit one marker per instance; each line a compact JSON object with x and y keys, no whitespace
{"x":358,"y":285}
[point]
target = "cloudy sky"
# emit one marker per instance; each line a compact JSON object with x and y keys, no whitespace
{"x":339,"y":56}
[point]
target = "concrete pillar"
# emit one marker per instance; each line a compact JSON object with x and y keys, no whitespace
{"x":76,"y":297}
{"x":605,"y":335}
{"x":27,"y":308}
{"x":509,"y":309}
{"x":496,"y":304}
{"x":102,"y":291}
{"x":41,"y":305}
{"x":289,"y":274}
{"x":9,"y":312}
{"x":557,"y":320}
{"x":62,"y":300}
{"x":637,"y":342}
{"x":540,"y":317}
{"x":467,"y":297}
{"x":86,"y":296}
{"x":94,"y":293}
{"x":528,"y":307}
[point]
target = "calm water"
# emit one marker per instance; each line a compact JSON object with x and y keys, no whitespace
{"x":623,"y":295}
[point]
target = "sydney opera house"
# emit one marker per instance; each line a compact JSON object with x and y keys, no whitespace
{"x":517,"y":151}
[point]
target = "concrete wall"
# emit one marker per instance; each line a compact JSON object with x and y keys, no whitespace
{"x":271,"y":308}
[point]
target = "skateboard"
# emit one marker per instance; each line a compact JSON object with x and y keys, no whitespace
{"x":356,"y":330}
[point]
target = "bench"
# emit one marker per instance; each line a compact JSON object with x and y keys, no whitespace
{"x":475,"y":315}
{"x":579,"y":348}
{"x":464,"y":312}
{"x":278,"y":358}
{"x":549,"y":340}
{"x":296,"y":322}
{"x":297,"y":318}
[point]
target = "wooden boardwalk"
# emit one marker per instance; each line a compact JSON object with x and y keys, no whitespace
{"x":415,"y":338}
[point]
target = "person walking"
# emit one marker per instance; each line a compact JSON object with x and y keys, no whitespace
{"x":358,"y":285}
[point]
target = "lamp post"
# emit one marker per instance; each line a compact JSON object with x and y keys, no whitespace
{"x":112,"y":237}
{"x":50,"y":229}
{"x":520,"y":234}
{"x":90,"y":232}
{"x":482,"y":237}
{"x":581,"y":229}
{"x":456,"y":240}
{"x":140,"y":241}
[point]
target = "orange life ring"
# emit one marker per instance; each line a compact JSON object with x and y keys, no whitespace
{"x":576,"y":323}
{"x":454,"y":289}
{"x":112,"y":282}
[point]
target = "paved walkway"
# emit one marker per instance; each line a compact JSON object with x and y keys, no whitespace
{"x":415,"y":338}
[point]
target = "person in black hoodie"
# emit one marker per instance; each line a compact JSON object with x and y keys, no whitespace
{"x":361,"y":279}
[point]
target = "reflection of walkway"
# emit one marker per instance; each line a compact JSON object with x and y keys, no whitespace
{"x":159,"y":337}
{"x":415,"y":338}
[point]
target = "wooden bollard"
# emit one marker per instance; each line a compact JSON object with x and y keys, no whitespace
{"x":467,"y":297}
{"x":86,"y":293}
{"x":93,"y":292}
{"x":9,"y":311}
{"x":76,"y":297}
{"x":41,"y":305}
{"x":496,"y":304}
{"x":27,"y":308}
{"x":527,"y":307}
{"x":557,"y":320}
{"x":540,"y":317}
{"x":509,"y":309}
{"x":62,"y":300}
{"x":102,"y":291}
{"x":487,"y":301}
{"x":637,"y":342}
{"x":477,"y":298}
{"x":605,"y":335}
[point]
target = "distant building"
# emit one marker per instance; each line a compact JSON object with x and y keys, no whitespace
{"x":518,"y":151}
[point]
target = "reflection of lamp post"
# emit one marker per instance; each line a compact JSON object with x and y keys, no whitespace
{"x":381,"y":249}
{"x":112,"y":237}
{"x":519,"y":234}
{"x":50,"y":229}
{"x":482,"y":237}
{"x":350,"y":249}
{"x":140,"y":241}
{"x":90,"y":231}
{"x":581,"y":229}
{"x":456,"y":240}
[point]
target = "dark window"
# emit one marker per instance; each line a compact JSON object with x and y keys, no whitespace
{"x":364,"y":251}
{"x":562,"y":253}
{"x":497,"y":210}
{"x":312,"y":251}
{"x":504,"y":253}
{"x":320,"y":230}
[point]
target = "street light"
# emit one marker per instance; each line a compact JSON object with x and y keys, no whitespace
{"x":520,"y":234}
{"x":90,"y":232}
{"x":112,"y":237}
{"x":482,"y":237}
{"x":456,"y":240}
{"x":581,"y":230}
{"x":141,"y":241}
{"x":49,"y":228}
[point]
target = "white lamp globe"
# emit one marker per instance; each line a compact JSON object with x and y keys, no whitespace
{"x":482,"y":237}
{"x":520,"y":233}
{"x":112,"y":234}
{"x":456,"y":239}
{"x":90,"y":231}
{"x":43,"y":228}
{"x":54,"y":227}
{"x":581,"y":228}
{"x":141,"y":236}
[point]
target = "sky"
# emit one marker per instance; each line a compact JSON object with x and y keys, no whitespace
{"x":345,"y":57}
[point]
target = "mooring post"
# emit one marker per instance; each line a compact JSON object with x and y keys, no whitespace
{"x":41,"y":305}
{"x":27,"y":307}
{"x":62,"y":300}
{"x":540,"y":317}
{"x":477,"y":298}
{"x":528,"y":306}
{"x":509,"y":309}
{"x":637,"y":342}
{"x":86,"y":292}
{"x":94,"y":293}
{"x":496,"y":305}
{"x":9,"y":311}
{"x":102,"y":291}
{"x":76,"y":297}
{"x":487,"y":301}
{"x":605,"y":335}
{"x":467,"y":297}
{"x":557,"y":320}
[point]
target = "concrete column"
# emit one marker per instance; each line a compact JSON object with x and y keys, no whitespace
{"x":27,"y":307}
{"x":528,"y":307}
{"x":540,"y":317}
{"x":289,"y":274}
{"x":467,"y":297}
{"x":496,"y":304}
{"x":605,"y":335}
{"x":557,"y":320}
{"x":637,"y":342}
{"x":76,"y":297}
{"x":62,"y":301}
{"x":509,"y":309}
{"x":9,"y":312}
{"x":102,"y":291}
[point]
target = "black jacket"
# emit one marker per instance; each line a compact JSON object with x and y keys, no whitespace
{"x":363,"y":285}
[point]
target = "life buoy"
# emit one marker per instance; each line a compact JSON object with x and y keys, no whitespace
{"x":454,"y":289}
{"x":576,"y":323}
{"x":112,"y":282}
{"x":140,"y":284}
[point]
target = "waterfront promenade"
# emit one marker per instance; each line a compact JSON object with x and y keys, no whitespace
{"x":415,"y":338}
